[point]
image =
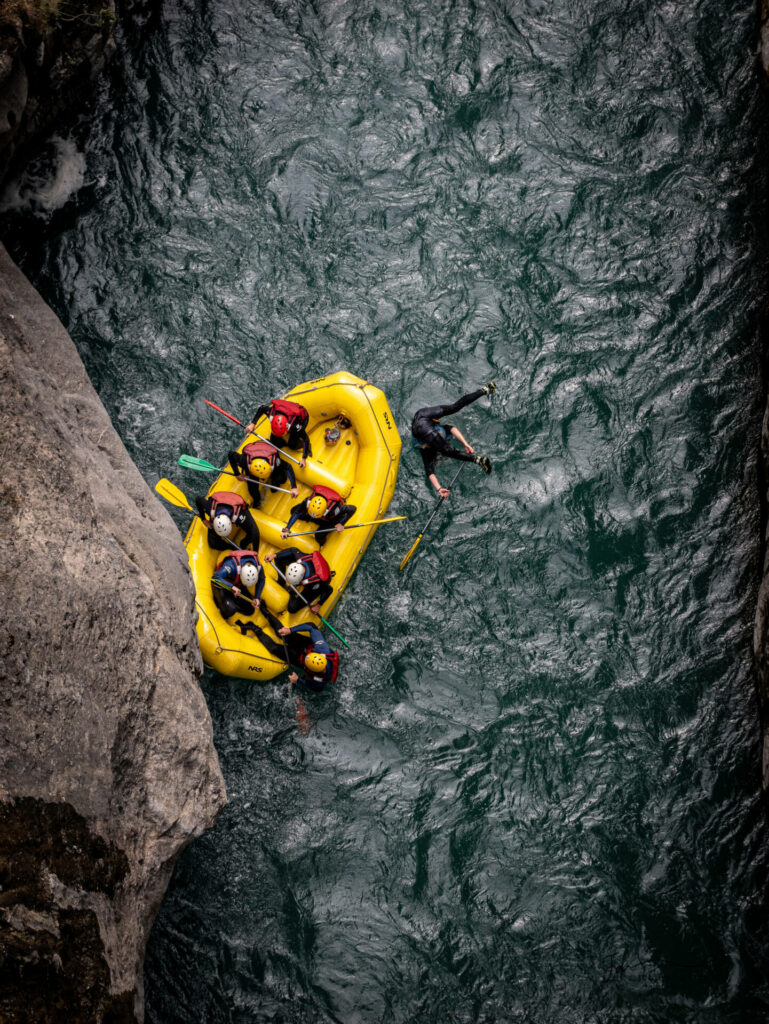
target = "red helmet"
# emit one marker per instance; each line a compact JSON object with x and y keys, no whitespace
{"x":279,"y":424}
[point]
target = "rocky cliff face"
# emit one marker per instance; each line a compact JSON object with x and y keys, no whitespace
{"x":107,"y":765}
{"x":50,"y":53}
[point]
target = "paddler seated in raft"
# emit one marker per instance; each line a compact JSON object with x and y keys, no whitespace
{"x":223,"y":514}
{"x":288,"y":426}
{"x":309,"y":575}
{"x":431,"y":437}
{"x":302,"y":647}
{"x":237,"y":583}
{"x":262,"y":461}
{"x":323,"y":507}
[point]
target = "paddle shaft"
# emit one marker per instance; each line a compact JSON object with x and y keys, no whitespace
{"x":175,"y":496}
{"x":415,"y":545}
{"x":355,"y":526}
{"x":228,"y":586}
{"x":235,"y":420}
{"x":204,"y":466}
{"x":307,"y":603}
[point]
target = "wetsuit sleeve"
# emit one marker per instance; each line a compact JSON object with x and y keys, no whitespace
{"x":290,"y":475}
{"x":251,"y":530}
{"x":285,"y":558}
{"x":429,"y":459}
{"x":237,"y":462}
{"x":261,"y":411}
{"x":345,"y":513}
{"x":259,"y":585}
{"x":320,"y":593}
{"x":227,"y":572}
{"x":204,"y":507}
{"x":315,"y":635}
{"x":297,"y":512}
{"x":306,"y":449}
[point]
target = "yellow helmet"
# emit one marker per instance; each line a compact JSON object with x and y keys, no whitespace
{"x":260,"y":468}
{"x":317,"y":507}
{"x":316,"y":662}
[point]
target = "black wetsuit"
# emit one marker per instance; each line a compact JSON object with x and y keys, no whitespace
{"x":294,"y":646}
{"x":295,"y":438}
{"x":432,"y":442}
{"x":244,"y":521}
{"x":282,"y":473}
{"x":340,"y":515}
{"x":227,"y":602}
{"x":312,"y":593}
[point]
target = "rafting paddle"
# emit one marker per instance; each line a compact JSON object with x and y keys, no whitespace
{"x":235,"y":420}
{"x":415,"y":545}
{"x":228,"y":586}
{"x":175,"y":496}
{"x":303,"y":598}
{"x":355,"y":526}
{"x":190,"y":462}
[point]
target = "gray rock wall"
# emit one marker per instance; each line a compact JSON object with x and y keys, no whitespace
{"x":50,"y":53}
{"x":107,"y":763}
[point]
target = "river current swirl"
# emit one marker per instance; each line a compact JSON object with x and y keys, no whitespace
{"x":534,"y":793}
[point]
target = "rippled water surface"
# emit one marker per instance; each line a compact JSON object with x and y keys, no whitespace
{"x":533,"y":794}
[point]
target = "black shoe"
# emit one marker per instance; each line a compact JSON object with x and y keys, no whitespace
{"x":484,"y":462}
{"x":246,"y":627}
{"x":490,"y":388}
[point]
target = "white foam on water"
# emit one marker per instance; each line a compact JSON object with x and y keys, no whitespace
{"x":43,"y":191}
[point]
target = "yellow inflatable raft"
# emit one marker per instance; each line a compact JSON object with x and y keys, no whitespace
{"x":362,"y":466}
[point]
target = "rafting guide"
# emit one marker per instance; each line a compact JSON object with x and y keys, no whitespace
{"x":431,"y":438}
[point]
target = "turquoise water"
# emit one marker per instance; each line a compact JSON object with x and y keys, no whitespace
{"x":534,"y":793}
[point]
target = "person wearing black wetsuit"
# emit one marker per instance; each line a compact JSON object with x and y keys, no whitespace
{"x":431,"y":437}
{"x":293,"y":647}
{"x":315,"y":593}
{"x":295,"y":436}
{"x":234,"y":507}
{"x":282,"y":474}
{"x":335,"y":518}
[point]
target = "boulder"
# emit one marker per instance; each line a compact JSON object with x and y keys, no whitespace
{"x":107,"y":763}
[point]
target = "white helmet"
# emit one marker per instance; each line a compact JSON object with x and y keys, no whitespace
{"x":223,"y":524}
{"x":249,"y":574}
{"x":295,"y":573}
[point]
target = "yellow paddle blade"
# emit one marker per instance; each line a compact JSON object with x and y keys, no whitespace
{"x":412,"y":549}
{"x":172,"y":494}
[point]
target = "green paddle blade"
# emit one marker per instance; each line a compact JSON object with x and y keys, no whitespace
{"x":190,"y":462}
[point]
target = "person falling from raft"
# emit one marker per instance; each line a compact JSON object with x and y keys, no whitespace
{"x":431,"y":437}
{"x":224,"y":514}
{"x":311,"y":660}
{"x":288,"y":426}
{"x":237,"y":583}
{"x":263,"y":462}
{"x":308,"y":574}
{"x":325,"y":508}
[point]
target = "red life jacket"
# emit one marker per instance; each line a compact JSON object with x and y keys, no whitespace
{"x":293,"y":411}
{"x":261,"y":450}
{"x":332,"y":658}
{"x":239,"y":557}
{"x":331,"y":497}
{"x":318,"y":566}
{"x":222,"y":499}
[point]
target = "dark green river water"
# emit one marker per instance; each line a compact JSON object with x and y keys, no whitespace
{"x":534,"y":793}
